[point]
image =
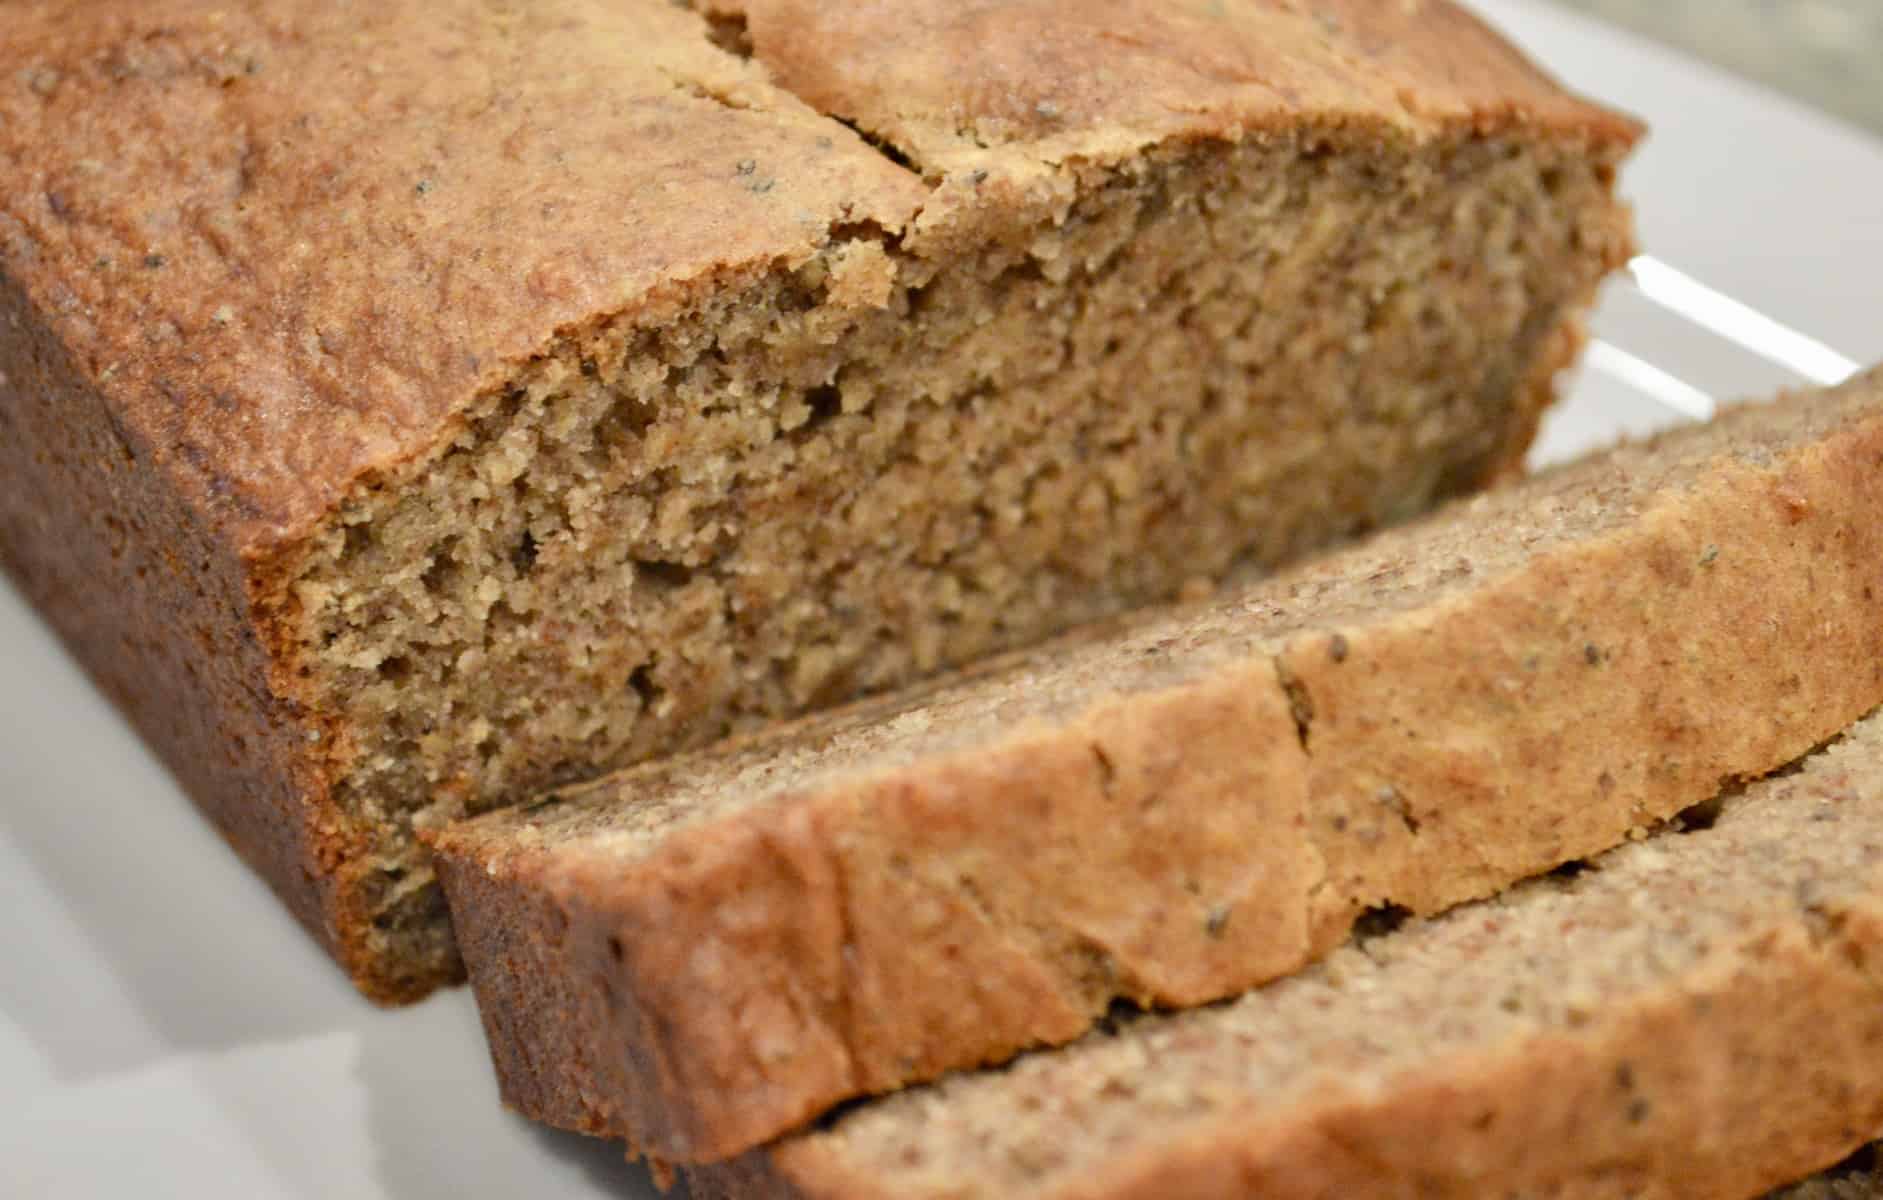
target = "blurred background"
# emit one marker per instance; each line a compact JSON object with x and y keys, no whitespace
{"x":1826,"y":52}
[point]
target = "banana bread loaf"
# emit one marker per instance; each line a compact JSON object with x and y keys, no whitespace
{"x":1699,"y":1014}
{"x":702,"y":953}
{"x":408,"y":406}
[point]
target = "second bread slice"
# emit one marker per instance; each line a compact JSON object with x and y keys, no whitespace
{"x":703,"y":953}
{"x":1698,"y":1016}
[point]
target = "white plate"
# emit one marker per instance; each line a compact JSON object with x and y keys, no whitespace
{"x":166,"y":1031}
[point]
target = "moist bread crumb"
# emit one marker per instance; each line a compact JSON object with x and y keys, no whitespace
{"x":412,"y":406}
{"x":1182,"y":805}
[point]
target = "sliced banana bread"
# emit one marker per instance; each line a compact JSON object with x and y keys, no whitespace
{"x":1699,"y":1014}
{"x":702,"y":953}
{"x":407,"y":406}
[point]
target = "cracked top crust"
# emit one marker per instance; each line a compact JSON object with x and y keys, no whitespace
{"x":977,"y":84}
{"x":272,"y":320}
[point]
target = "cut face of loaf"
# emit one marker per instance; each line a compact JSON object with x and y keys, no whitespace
{"x":702,"y":953}
{"x":1697,"y":1014}
{"x":414,"y":406}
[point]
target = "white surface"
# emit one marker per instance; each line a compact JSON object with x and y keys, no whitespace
{"x":166,"y":1031}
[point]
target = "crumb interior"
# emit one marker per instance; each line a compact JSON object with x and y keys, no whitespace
{"x":1219,"y":356}
{"x":1464,"y":547}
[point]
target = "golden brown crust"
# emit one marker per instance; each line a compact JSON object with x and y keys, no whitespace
{"x":972,"y":85}
{"x":284,"y":317}
{"x":1731,"y":1038}
{"x":1033,"y":879}
{"x":1591,"y":687}
{"x":535,"y":1033}
{"x":154,"y":607}
{"x":1609,"y":680}
{"x":1718,"y":1021}
{"x":1738,"y":1123}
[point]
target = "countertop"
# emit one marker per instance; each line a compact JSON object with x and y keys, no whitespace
{"x":1828,"y":53}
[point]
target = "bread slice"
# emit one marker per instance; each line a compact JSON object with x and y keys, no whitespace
{"x":1696,"y":1014}
{"x":703,"y":953}
{"x":408,"y":406}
